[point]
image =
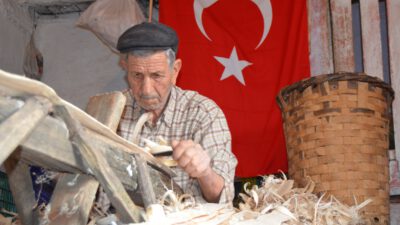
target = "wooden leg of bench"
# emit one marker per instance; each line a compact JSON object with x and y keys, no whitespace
{"x":72,"y":199}
{"x":20,"y":182}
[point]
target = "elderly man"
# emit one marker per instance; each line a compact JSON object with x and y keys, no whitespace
{"x":194,"y":125}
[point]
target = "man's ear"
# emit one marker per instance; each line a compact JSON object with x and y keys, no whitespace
{"x":176,"y":69}
{"x":123,"y":62}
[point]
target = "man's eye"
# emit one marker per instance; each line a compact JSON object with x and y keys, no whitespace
{"x":156,"y":76}
{"x":136,"y":75}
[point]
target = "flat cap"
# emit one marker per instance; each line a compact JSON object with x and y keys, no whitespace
{"x":148,"y":36}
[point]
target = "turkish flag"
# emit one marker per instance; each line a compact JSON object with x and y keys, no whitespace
{"x":240,"y":54}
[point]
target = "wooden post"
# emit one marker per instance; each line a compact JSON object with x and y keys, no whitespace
{"x":150,"y":10}
{"x":371,"y":38}
{"x":320,"y":38}
{"x":342,"y":28}
{"x":393,"y":9}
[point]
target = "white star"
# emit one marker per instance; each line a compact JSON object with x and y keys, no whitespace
{"x":233,"y":66}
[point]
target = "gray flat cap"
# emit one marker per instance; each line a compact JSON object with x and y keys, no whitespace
{"x":148,"y":36}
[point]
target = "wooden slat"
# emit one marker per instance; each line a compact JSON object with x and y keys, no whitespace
{"x":393,"y":14}
{"x":319,"y":26}
{"x":19,"y":125}
{"x":19,"y":179}
{"x":343,"y":52}
{"x":371,"y":38}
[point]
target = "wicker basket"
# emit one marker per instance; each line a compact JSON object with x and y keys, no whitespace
{"x":336,"y":129}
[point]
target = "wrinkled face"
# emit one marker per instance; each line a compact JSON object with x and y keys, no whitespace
{"x":151,"y":79}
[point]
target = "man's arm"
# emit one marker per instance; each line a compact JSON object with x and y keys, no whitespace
{"x":196,"y":162}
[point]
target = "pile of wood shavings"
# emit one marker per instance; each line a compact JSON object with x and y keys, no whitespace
{"x":286,"y":205}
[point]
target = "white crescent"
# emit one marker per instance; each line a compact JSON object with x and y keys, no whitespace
{"x":199,"y":6}
{"x":266,"y":11}
{"x":263,"y":5}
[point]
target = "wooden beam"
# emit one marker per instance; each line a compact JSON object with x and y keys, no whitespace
{"x":97,"y":165}
{"x":20,"y":124}
{"x":145,"y":185}
{"x":393,"y":16}
{"x":342,"y":28}
{"x":319,"y":25}
{"x":371,"y":38}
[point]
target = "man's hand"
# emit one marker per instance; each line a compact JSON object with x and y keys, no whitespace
{"x":192,"y":158}
{"x":196,"y":162}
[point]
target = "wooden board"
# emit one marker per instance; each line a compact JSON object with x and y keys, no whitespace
{"x":371,"y":38}
{"x":343,"y":51}
{"x":72,"y":199}
{"x":107,"y":108}
{"x":319,"y":25}
{"x":393,"y":16}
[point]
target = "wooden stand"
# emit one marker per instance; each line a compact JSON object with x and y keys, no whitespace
{"x":61,"y":143}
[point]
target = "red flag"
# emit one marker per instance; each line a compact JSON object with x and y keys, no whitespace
{"x":240,"y":54}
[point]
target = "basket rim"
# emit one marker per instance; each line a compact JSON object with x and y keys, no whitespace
{"x":283,"y":94}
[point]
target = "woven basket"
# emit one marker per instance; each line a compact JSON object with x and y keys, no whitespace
{"x":337,"y":130}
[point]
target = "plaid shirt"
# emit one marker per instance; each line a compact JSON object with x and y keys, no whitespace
{"x":188,"y":115}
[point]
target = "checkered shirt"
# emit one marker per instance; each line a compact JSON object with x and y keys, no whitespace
{"x":188,"y":116}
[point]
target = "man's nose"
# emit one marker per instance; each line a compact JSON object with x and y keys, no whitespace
{"x":147,"y":86}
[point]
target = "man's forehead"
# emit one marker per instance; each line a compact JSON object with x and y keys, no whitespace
{"x":147,"y":63}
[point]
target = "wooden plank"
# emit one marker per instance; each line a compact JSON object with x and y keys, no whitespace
{"x":20,"y":124}
{"x":393,"y":17}
{"x":107,"y":108}
{"x":19,"y":179}
{"x":72,"y":199}
{"x":98,"y":166}
{"x":343,"y":51}
{"x":371,"y":38}
{"x":320,"y":40}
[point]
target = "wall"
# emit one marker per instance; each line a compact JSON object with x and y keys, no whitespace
{"x":16,"y":27}
{"x":76,"y":64}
